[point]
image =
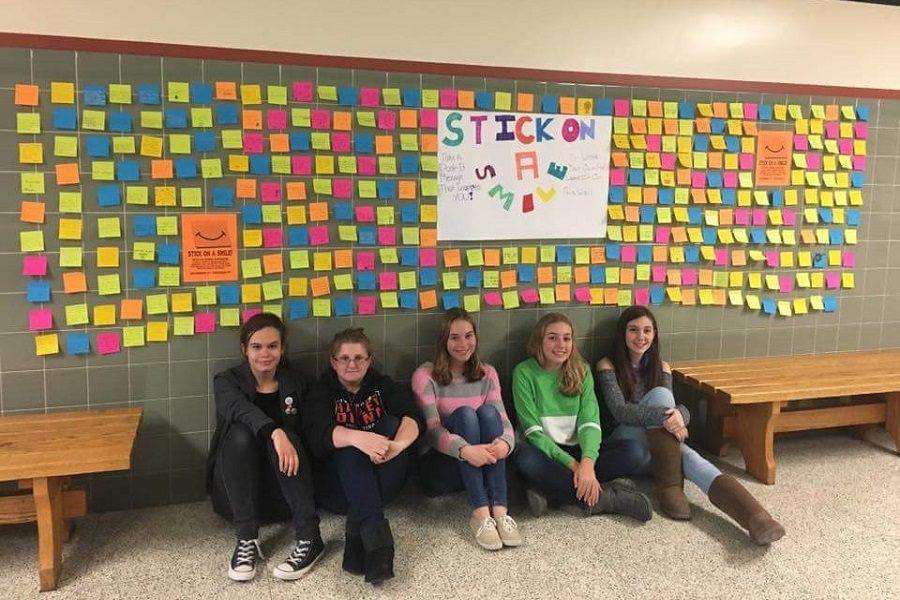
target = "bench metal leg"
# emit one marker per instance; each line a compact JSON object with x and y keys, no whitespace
{"x":892,"y":417}
{"x":757,"y":425}
{"x":49,"y":506}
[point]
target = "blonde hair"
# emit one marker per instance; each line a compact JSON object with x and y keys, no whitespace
{"x":572,"y":371}
{"x":440,"y":372}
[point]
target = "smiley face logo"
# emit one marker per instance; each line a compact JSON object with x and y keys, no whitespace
{"x":210,"y":234}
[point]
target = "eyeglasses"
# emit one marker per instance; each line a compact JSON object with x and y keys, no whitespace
{"x":345,"y":360}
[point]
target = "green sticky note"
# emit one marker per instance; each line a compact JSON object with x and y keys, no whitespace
{"x":384,"y":215}
{"x":192,"y":197}
{"x":103,"y":170}
{"x":321,"y":307}
{"x":408,"y":280}
{"x":281,"y":165}
{"x":201,"y":116}
{"x":429,"y":163}
{"x":347,"y":164}
{"x":320,"y":140}
{"x":70,"y":257}
{"x":167,"y":225}
{"x":502,"y":101}
{"x":365,"y":118}
{"x":564,"y":274}
{"x":229,"y":317}
{"x":277,"y":94}
{"x":430,"y":98}
{"x":510,"y":255}
{"x":211,"y":168}
{"x":184,"y":325}
{"x":251,"y":268}
{"x":179,"y":91}
{"x":179,"y":143}
{"x":108,"y":227}
{"x":327,"y":92}
{"x":347,"y":233}
{"x":137,"y":194}
{"x":300,"y":117}
{"x":474,"y":257}
{"x":205,"y":295}
{"x":151,"y":119}
{"x":472,"y":303}
{"x":491,"y":279}
{"x":272,"y":290}
{"x":70,"y":202}
{"x":32,"y":183}
{"x":123,"y":144}
{"x":548,"y":254}
{"x":157,"y":304}
{"x":510,"y":299}
{"x":387,"y":165}
{"x":275,"y":309}
{"x":232,"y":139}
{"x":28,"y":123}
{"x":391,"y":96}
{"x":390,"y":300}
{"x":409,"y":142}
{"x":410,"y":236}
{"x":450,"y":280}
{"x":322,"y":186}
{"x":144,"y":251}
{"x":547,"y":296}
{"x":77,"y":314}
{"x":107,"y":285}
{"x":367,"y":188}
{"x":582,"y":256}
{"x":133,"y":336}
{"x":169,"y":276}
{"x":429,"y":188}
{"x":388,"y":256}
{"x":639,"y":107}
{"x":299,"y":259}
{"x":65,"y":145}
{"x":271,"y":213}
{"x":343,"y":282}
{"x":93,"y":120}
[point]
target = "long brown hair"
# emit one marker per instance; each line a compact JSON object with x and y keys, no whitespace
{"x":650,"y":367}
{"x":473,"y":369}
{"x":261,"y":321}
{"x":572,"y":372}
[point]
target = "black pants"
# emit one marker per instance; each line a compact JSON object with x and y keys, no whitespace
{"x":348,"y":482}
{"x":248,"y":489}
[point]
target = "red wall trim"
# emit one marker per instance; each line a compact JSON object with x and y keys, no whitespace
{"x":51,"y":42}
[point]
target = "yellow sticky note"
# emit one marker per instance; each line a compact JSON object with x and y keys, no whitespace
{"x":105,"y":314}
{"x":157,"y":331}
{"x":107,"y":256}
{"x":62,"y":92}
{"x":47,"y":344}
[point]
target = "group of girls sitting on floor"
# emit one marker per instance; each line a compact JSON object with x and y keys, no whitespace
{"x":364,"y":432}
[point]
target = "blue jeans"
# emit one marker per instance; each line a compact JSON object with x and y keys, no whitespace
{"x":696,"y":468}
{"x":442,"y":474}
{"x":351,"y":483}
{"x":617,"y":458}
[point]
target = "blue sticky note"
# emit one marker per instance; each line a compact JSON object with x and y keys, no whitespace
{"x":862,"y":113}
{"x":78,"y":343}
{"x":645,"y":253}
{"x":777,"y":197}
{"x":148,"y":93}
{"x":820,"y":260}
{"x":38,"y":291}
{"x":598,"y":274}
{"x":65,"y":119}
{"x":835,"y":237}
{"x":298,"y":235}
{"x":709,"y":235}
{"x":717,"y":126}
{"x":144,"y":225}
{"x":120,"y":122}
{"x":635,"y":177}
{"x":98,"y":146}
{"x":227,"y":114}
{"x":298,"y":308}
{"x":343,"y":306}
{"x":366,"y":234}
{"x":409,"y":212}
{"x":348,"y":96}
{"x":109,"y":195}
{"x":825,"y":215}
{"x":229,"y":293}
{"x":128,"y":170}
{"x":758,"y":236}
{"x":473,"y":278}
{"x":603,"y":106}
{"x":411,"y":97}
{"x":409,"y":299}
{"x":409,"y":257}
{"x":564,"y":254}
{"x":201,"y":93}
{"x":260,"y":164}
{"x":143,"y":278}
{"x":176,"y":118}
{"x":692,"y":254}
{"x":686,"y":110}
{"x":857,"y":178}
{"x":617,"y":194}
{"x":695,"y":215}
{"x":342,"y":211}
{"x":769,"y":306}
{"x":701,"y":143}
{"x":223,"y":197}
{"x":549,"y":103}
{"x":714,"y":179}
{"x":729,"y":196}
{"x":525,"y":273}
{"x":168,"y":254}
{"x":450,"y":300}
{"x":657,"y":294}
{"x":251,"y":214}
{"x":485,"y":101}
{"x":365,"y":280}
{"x":666,"y":196}
{"x":364,"y":143}
{"x":94,"y":95}
{"x":852,"y":217}
{"x":299,"y":141}
{"x":648,"y":214}
{"x":409,"y":163}
{"x":732,"y":143}
{"x":204,"y":141}
{"x":387,"y":188}
{"x":613,"y":251}
{"x":428,"y":276}
{"x":764,"y":112}
{"x":830,"y":303}
{"x":185,"y":168}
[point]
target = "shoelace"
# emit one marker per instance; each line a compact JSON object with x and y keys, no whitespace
{"x":507,"y":522}
{"x":487,"y":524}
{"x":247,"y":553}
{"x":298,"y":554}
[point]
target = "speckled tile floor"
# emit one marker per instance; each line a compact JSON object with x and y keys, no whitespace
{"x":838,"y":497}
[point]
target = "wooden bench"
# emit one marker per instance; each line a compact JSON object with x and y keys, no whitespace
{"x":747,"y":398}
{"x":40,"y":452}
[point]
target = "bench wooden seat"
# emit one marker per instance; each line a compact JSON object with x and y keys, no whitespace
{"x":41,"y":452}
{"x":746,"y":398}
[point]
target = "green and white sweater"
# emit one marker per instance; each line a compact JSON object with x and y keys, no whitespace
{"x":548,"y":418}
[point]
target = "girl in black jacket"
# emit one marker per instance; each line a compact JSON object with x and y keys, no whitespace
{"x":362,"y":425}
{"x":257,"y":468}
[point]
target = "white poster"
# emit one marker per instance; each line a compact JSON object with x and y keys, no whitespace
{"x":510,"y":176}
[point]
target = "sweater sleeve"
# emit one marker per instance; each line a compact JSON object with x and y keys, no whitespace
{"x":437,"y":435}
{"x":495,"y":399}
{"x":233,"y":405}
{"x":588,"y":421}
{"x":666,"y":382}
{"x":318,"y":421}
{"x":529,"y":418}
{"x":627,"y":413}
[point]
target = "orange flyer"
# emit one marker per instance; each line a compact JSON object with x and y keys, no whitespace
{"x":209,"y":247}
{"x":773,"y":158}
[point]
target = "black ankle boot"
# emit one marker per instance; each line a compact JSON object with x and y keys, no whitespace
{"x":354,"y":554}
{"x":378,"y":544}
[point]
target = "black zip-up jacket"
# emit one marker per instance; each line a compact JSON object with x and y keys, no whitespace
{"x":329,"y":404}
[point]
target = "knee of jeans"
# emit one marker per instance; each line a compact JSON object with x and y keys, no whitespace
{"x":634,"y":454}
{"x":659,"y":397}
{"x":465,"y":422}
{"x":240,"y":441}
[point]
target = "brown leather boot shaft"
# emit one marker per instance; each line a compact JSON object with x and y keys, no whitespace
{"x":734,"y":500}
{"x":665,"y":459}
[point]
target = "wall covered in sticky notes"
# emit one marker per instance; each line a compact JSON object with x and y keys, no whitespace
{"x":754,"y":224}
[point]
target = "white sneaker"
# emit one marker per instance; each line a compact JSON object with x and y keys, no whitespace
{"x":508,"y":530}
{"x":485,"y":531}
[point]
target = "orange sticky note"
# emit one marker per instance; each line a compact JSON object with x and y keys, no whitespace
{"x":318,"y":211}
{"x":408,"y":119}
{"x":525,"y":102}
{"x":545,"y":275}
{"x":296,"y":190}
{"x":582,"y":275}
{"x":343,"y":259}
{"x":428,"y":238}
{"x":428,"y":299}
{"x":384,"y":144}
{"x":407,"y":190}
{"x":429,"y":142}
{"x":131,"y":308}
{"x":245,"y":188}
{"x":343,"y":120}
{"x":320,"y":286}
{"x":279,"y":142}
{"x":465,"y":98}
{"x":74,"y":282}
{"x":226,"y":90}
{"x":26,"y":95}
{"x":508,"y":279}
{"x":610,"y":296}
{"x":563,"y":292}
{"x":161,"y":169}
{"x":67,"y":174}
{"x":567,"y":105}
{"x":251,"y":119}
{"x":655,"y":108}
{"x":492,"y":257}
{"x":32,"y":212}
{"x":452,"y":258}
{"x":702,"y":124}
{"x":273,"y":263}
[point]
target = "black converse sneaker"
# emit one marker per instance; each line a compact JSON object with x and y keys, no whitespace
{"x":301,"y":559}
{"x":243,"y":561}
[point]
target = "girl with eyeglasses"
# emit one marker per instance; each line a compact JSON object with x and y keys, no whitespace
{"x":361,"y":425}
{"x":469,"y":434}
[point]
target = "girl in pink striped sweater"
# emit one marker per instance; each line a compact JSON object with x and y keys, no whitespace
{"x":468,"y":432}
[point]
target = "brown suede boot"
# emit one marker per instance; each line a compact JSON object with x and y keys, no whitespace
{"x":735,"y":501}
{"x":665,"y":458}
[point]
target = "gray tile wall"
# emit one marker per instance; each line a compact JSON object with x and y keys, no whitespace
{"x":172,"y":382}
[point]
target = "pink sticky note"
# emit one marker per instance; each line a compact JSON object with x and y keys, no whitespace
{"x":845,"y":146}
{"x":387,"y":119}
{"x":447,"y":98}
{"x":642,"y":296}
{"x":617,"y":177}
{"x":801,"y":143}
{"x":621,"y":107}
{"x":369,"y":96}
{"x":698,"y":179}
{"x":249,"y":312}
{"x":848,"y":258}
{"x":813,"y":161}
{"x":387,"y":236}
{"x":493,"y":299}
{"x":667,"y":160}
{"x":340,"y":141}
{"x":859,"y":163}
{"x":272,"y":237}
{"x":582,"y":294}
{"x":721,"y":259}
{"x":34,"y":265}
{"x":387,"y":280}
{"x":741,"y":216}
{"x":320,"y":118}
{"x":365,"y":260}
{"x":654,"y":143}
{"x":658,"y":273}
{"x":529,"y":296}
{"x":759,"y":216}
{"x":689,"y":276}
{"x":40,"y":319}
{"x":428,"y":118}
{"x":253,"y":143}
{"x":427,"y":257}
{"x":342,"y":187}
{"x":204,"y":322}
{"x":662,"y":234}
{"x":270,"y":191}
{"x":302,"y":91}
{"x":365,"y":214}
{"x":861,"y":130}
{"x":832,"y":130}
{"x":730,"y":179}
{"x":788,"y":217}
{"x":365,"y":305}
{"x":832,"y":280}
{"x":276,"y":118}
{"x":746,"y":161}
{"x":365,"y":165}
{"x":109,"y":342}
{"x":301,"y":165}
{"x":629,"y":254}
{"x":786,"y":283}
{"x":318,"y":235}
{"x":772,"y":258}
{"x":750,"y":111}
